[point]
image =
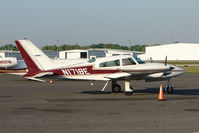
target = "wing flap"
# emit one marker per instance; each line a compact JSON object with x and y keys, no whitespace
{"x":118,"y":75}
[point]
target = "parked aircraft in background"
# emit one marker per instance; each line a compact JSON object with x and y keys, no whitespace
{"x":126,"y":68}
{"x":12,"y":65}
{"x":6,"y":62}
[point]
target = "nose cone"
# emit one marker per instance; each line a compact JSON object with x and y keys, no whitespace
{"x":159,"y":67}
{"x":171,"y":67}
{"x":176,"y":71}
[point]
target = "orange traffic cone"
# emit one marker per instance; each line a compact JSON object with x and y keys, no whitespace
{"x":161,"y":94}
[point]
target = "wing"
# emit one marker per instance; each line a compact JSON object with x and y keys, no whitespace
{"x":118,"y":75}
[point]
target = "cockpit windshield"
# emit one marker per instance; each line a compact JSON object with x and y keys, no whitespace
{"x":92,"y":60}
{"x":139,"y":60}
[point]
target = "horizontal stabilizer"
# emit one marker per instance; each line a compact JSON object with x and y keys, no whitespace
{"x":42,"y":74}
{"x":36,"y":79}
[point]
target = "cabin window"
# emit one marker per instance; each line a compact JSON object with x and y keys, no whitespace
{"x":110,"y":63}
{"x":128,"y":61}
{"x":139,"y":60}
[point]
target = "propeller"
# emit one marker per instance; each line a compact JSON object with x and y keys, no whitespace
{"x":165,"y":62}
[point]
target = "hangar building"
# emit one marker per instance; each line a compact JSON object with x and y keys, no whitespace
{"x":9,"y":53}
{"x":174,"y":52}
{"x":95,"y":53}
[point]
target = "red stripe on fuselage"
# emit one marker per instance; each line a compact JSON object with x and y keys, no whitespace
{"x":84,"y":70}
{"x":5,"y":61}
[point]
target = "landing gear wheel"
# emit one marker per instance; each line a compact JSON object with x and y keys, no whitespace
{"x":116,"y":88}
{"x":169,"y":89}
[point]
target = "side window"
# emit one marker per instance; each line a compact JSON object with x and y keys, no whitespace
{"x":128,"y":61}
{"x":110,"y":63}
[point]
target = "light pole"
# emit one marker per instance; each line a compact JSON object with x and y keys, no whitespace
{"x":57,"y":49}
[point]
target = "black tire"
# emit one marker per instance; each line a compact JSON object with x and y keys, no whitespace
{"x":116,"y":88}
{"x":169,"y":90}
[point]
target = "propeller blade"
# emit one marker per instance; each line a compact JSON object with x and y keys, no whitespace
{"x":165,"y":62}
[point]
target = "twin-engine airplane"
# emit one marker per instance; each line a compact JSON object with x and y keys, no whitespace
{"x":126,"y":68}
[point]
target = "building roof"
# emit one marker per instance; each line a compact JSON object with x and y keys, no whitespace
{"x":103,"y":49}
{"x":173,"y":44}
{"x":75,"y":50}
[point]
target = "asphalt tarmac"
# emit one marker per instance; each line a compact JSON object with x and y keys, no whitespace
{"x":79,"y":107}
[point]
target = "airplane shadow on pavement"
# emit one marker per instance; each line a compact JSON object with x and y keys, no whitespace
{"x":97,"y":92}
{"x":177,"y":91}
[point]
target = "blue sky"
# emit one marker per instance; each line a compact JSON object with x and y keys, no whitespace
{"x":86,"y":22}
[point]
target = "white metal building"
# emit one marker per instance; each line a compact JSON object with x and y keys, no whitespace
{"x":9,"y":53}
{"x":96,"y":53}
{"x":174,"y":52}
{"x":73,"y":54}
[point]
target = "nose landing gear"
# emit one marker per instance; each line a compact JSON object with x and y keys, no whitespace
{"x":169,"y":88}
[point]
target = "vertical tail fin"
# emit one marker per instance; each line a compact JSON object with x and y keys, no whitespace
{"x":34,"y":58}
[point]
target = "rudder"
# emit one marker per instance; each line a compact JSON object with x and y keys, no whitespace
{"x":34,"y":58}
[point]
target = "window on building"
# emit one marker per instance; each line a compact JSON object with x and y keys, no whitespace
{"x":128,"y":61}
{"x":110,"y":63}
{"x":65,"y":55}
{"x":83,"y":55}
{"x":115,"y":54}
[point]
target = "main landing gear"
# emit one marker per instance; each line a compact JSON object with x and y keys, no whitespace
{"x":169,"y":89}
{"x":116,"y":88}
{"x":128,"y":90}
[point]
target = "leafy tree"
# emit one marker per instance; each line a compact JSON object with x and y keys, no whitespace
{"x":9,"y":47}
{"x":138,"y":47}
{"x":124,"y":48}
{"x":100,"y":45}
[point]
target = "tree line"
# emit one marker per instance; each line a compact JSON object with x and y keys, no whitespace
{"x":9,"y":47}
{"x":100,"y":45}
{"x":71,"y":47}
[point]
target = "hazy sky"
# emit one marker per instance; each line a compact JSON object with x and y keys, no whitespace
{"x":99,"y":21}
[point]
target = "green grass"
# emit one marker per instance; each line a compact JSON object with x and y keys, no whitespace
{"x":179,"y":62}
{"x":191,"y":69}
{"x":184,"y":65}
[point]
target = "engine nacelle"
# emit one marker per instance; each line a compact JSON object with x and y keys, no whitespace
{"x":155,"y":75}
{"x":6,"y":62}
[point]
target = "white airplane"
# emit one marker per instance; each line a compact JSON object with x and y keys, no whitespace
{"x":12,"y":65}
{"x":42,"y":68}
{"x":6,"y":62}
